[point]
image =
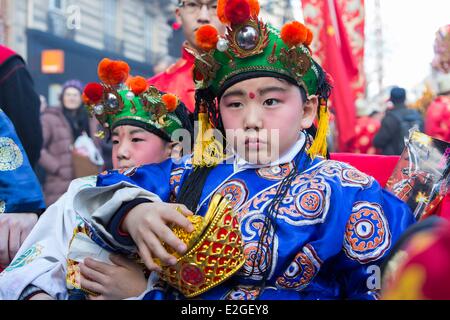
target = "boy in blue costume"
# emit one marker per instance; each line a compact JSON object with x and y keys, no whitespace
{"x":311,"y":228}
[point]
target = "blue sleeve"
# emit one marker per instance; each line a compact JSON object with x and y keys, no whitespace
{"x":20,"y":191}
{"x":156,"y":178}
{"x":377,"y":221}
{"x":153,"y":177}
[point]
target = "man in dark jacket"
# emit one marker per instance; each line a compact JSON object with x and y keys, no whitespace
{"x":396,"y":124}
{"x":20,"y":102}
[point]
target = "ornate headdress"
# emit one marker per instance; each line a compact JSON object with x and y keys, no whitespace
{"x":120,"y":100}
{"x":252,"y":49}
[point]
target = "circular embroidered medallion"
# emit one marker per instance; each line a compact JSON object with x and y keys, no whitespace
{"x":274,"y":173}
{"x":367,"y":235}
{"x":192,"y":275}
{"x":10,"y":156}
{"x":310,"y":203}
{"x":236,"y":191}
{"x":299,"y":273}
{"x":241,"y":293}
{"x":355,"y":176}
{"x":256,"y":261}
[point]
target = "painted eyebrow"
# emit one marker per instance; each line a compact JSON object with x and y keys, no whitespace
{"x":271,"y":89}
{"x":134,"y":131}
{"x":238,"y":93}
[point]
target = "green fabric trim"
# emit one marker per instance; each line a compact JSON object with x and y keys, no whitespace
{"x":268,"y":60}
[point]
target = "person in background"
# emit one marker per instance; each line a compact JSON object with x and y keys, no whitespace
{"x":437,"y":118}
{"x":396,"y":124}
{"x":20,"y":102}
{"x":367,"y":126}
{"x":190,"y":14}
{"x":61,"y":127}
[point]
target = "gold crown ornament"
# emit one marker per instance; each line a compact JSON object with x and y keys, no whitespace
{"x":215,"y":251}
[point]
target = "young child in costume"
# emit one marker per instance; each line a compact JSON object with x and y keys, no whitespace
{"x":294,"y":225}
{"x":40,"y":267}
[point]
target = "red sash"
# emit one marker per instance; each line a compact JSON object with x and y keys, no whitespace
{"x":5,"y":54}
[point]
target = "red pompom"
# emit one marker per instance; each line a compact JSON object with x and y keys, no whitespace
{"x":170,"y":101}
{"x":237,"y":11}
{"x":294,"y":33}
{"x":113,"y":72}
{"x":206,"y":37}
{"x":137,"y":84}
{"x":93,"y":92}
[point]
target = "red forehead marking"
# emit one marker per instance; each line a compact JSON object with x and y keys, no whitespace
{"x":252,"y":95}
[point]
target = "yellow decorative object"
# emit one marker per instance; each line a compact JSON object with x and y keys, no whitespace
{"x":73,"y":275}
{"x":208,"y":152}
{"x":215,"y":251}
{"x":319,"y":146}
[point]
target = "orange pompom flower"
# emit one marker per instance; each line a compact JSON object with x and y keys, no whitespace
{"x":206,"y":37}
{"x":170,"y":101}
{"x":137,"y":84}
{"x":309,"y":38}
{"x":254,"y":8}
{"x":237,"y":11}
{"x":221,"y":11}
{"x":85,"y":99}
{"x":294,"y":33}
{"x":113,"y":72}
{"x":93,"y":92}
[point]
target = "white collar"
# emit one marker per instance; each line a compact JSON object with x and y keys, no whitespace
{"x":241,"y":164}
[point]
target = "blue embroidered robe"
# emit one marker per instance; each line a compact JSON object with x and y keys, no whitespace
{"x":334,"y":227}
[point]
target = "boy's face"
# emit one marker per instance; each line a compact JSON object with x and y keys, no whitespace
{"x":192,"y":14}
{"x":133,"y":146}
{"x":264,"y":116}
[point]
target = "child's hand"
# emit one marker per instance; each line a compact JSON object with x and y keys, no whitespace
{"x":123,"y":280}
{"x":148,"y":225}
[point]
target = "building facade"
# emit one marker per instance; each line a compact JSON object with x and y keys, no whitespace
{"x":137,"y":31}
{"x":86,"y":31}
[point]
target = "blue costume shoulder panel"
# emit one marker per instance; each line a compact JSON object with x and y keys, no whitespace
{"x":20,"y":190}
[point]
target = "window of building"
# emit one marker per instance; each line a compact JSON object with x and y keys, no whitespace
{"x":57,"y":5}
{"x":110,"y":24}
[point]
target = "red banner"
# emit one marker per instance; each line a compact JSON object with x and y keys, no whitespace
{"x":338,"y":45}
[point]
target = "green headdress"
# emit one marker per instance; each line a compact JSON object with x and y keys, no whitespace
{"x":123,"y":100}
{"x":252,"y":49}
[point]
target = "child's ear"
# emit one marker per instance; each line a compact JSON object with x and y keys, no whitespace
{"x":309,"y":111}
